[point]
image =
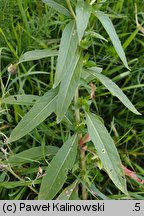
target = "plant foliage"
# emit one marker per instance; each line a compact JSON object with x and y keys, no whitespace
{"x":61,"y":110}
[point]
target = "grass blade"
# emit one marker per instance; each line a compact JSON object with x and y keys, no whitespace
{"x":106,"y":151}
{"x":83,"y":12}
{"x":23,"y":15}
{"x":130,"y":39}
{"x":14,"y":184}
{"x":115,"y":90}
{"x":56,"y":172}
{"x":68,"y":86}
{"x":107,"y":24}
{"x":59,"y":6}
{"x":67,"y":49}
{"x":37,"y":114}
{"x":37,"y":54}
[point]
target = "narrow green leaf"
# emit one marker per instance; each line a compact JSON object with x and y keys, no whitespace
{"x":21,"y":99}
{"x":83,"y":12}
{"x":30,"y":73}
{"x":13,"y":184}
{"x":68,"y":46}
{"x":96,"y":35}
{"x":67,"y":193}
{"x":91,"y":188}
{"x":68,"y":86}
{"x":21,"y":193}
{"x":107,"y":24}
{"x":130,"y":38}
{"x":3,"y":176}
{"x":31,"y":155}
{"x":87,"y":76}
{"x":115,"y":90}
{"x":37,"y":114}
{"x":37,"y":54}
{"x":106,"y":150}
{"x":56,"y":172}
{"x":59,"y":6}
{"x":97,"y":193}
{"x":12,"y":49}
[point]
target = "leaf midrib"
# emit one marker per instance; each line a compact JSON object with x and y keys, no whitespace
{"x":69,"y":82}
{"x":105,"y":149}
{"x":36,"y":116}
{"x":51,"y":186}
{"x":69,"y":42}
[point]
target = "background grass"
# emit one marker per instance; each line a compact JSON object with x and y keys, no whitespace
{"x":32,"y":25}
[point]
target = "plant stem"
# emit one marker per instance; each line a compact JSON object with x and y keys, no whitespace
{"x":82,"y":153}
{"x":70,"y":8}
{"x":9,"y":169}
{"x":14,"y":174}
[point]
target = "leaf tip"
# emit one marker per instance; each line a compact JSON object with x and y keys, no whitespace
{"x":136,"y":112}
{"x":58,"y":120}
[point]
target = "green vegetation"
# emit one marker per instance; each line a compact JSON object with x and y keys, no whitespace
{"x":71,"y":99}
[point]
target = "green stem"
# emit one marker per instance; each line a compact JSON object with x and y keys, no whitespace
{"x":82,"y":153}
{"x":70,"y":8}
{"x":14,"y":174}
{"x":9,"y":169}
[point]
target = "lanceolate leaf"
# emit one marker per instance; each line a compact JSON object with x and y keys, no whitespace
{"x":58,"y":5}
{"x":69,"y":192}
{"x":37,"y":54}
{"x":21,"y":99}
{"x":83,"y":11}
{"x":115,"y":90}
{"x":87,"y":76}
{"x":68,"y":46}
{"x":96,"y":35}
{"x":37,"y":114}
{"x":97,"y":193}
{"x":56,"y":172}
{"x":68,"y":85}
{"x":107,"y":24}
{"x":106,"y":150}
{"x":31,"y":155}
